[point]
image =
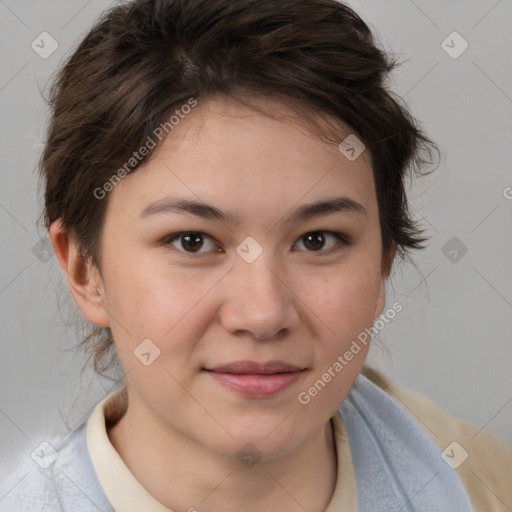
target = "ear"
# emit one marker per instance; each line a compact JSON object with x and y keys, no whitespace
{"x":385,"y":269}
{"x":84,"y":279}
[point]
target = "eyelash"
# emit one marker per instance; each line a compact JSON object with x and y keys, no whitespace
{"x":341,"y":239}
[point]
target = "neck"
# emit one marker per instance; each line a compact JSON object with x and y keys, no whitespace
{"x":206,"y":480}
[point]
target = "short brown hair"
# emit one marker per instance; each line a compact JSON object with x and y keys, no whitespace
{"x":143,"y":59}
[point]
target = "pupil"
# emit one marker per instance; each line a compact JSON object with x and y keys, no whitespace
{"x":192,"y":242}
{"x":315,"y":240}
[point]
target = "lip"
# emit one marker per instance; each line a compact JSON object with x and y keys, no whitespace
{"x":253,"y":367}
{"x":254,"y":379}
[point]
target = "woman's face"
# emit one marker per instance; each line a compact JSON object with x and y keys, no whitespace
{"x":257,"y":276}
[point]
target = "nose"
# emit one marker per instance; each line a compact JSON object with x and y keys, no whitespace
{"x":259,"y":302}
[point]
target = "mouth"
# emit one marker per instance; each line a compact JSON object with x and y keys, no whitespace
{"x":254,"y":379}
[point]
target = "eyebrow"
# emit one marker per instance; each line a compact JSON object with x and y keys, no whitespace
{"x":209,"y":212}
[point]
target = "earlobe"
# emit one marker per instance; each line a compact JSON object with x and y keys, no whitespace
{"x":83,"y":277}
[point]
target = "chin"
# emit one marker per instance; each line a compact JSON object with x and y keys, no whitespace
{"x":266,"y":440}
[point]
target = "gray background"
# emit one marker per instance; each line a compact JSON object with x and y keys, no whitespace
{"x":452,"y":341}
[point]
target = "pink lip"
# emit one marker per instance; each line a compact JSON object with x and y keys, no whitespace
{"x":254,"y":379}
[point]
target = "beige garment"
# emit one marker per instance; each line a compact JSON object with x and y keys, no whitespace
{"x":126,"y":494}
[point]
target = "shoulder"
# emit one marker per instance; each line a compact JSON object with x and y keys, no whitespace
{"x":482,"y":461}
{"x":58,"y":476}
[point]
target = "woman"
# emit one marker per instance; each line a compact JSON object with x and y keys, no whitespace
{"x":225,"y":194}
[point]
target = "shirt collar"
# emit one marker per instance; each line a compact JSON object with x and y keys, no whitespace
{"x":125,"y":492}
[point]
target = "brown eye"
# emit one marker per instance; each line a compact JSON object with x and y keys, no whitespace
{"x":314,"y":241}
{"x":323,"y":241}
{"x":191,"y":242}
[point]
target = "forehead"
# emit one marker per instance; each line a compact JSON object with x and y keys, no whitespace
{"x":228,"y":152}
{"x":226,"y":123}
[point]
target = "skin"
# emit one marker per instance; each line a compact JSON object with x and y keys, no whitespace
{"x":293,"y":303}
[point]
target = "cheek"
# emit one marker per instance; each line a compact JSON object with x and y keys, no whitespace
{"x":342,"y":306}
{"x":343,"y":303}
{"x":161,"y":304}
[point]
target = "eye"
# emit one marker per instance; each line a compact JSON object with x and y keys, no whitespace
{"x":323,"y":241}
{"x":194,"y":242}
{"x":191,"y":242}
